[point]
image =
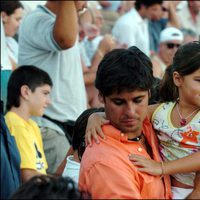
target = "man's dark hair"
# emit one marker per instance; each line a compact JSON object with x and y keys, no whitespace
{"x":28,"y":75}
{"x":9,"y":7}
{"x":78,"y":138}
{"x":124,"y":70}
{"x":146,"y":3}
{"x":47,"y":187}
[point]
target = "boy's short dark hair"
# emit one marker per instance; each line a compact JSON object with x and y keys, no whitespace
{"x":124,"y":70}
{"x":146,"y":3}
{"x":47,"y":187}
{"x":9,"y":7}
{"x":28,"y":75}
{"x":78,"y":138}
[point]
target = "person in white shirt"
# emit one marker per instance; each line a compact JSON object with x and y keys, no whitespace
{"x":72,"y":161}
{"x":132,"y":27}
{"x":189,"y":16}
{"x":11,"y":14}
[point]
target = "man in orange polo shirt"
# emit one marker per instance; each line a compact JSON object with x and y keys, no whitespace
{"x":124,"y":79}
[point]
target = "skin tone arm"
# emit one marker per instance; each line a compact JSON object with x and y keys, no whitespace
{"x":173,"y":19}
{"x":27,"y":174}
{"x":96,"y":120}
{"x":182,"y":165}
{"x":61,"y":167}
{"x":63,"y":35}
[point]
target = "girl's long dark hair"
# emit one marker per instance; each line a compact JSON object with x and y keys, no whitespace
{"x":185,"y":62}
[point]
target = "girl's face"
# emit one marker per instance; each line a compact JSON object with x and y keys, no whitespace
{"x":12,"y":22}
{"x":189,"y":87}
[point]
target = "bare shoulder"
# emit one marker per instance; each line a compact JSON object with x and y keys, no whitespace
{"x":151,"y":109}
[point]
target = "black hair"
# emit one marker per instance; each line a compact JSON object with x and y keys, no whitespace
{"x":124,"y":70}
{"x":9,"y":7}
{"x":28,"y":75}
{"x":146,"y":3}
{"x":155,"y":92}
{"x":49,"y":187}
{"x":185,"y":62}
{"x":78,"y":138}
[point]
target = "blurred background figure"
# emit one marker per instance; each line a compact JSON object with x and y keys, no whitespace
{"x":170,"y":39}
{"x":189,"y":35}
{"x":6,"y":68}
{"x":159,"y":20}
{"x":189,"y":16}
{"x":132,"y":27}
{"x":11,"y":14}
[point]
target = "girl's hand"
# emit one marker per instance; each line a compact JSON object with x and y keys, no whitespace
{"x":93,"y":129}
{"x":146,"y":165}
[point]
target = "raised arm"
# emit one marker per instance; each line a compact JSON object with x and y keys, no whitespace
{"x":65,"y":29}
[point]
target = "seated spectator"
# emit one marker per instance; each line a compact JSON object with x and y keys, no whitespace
{"x":28,"y":96}
{"x":189,"y":16}
{"x":10,"y":161}
{"x":111,"y":11}
{"x":47,"y":187}
{"x":157,"y":24}
{"x":124,"y":78}
{"x":72,"y":167}
{"x":93,"y":47}
{"x":11,"y":14}
{"x":170,"y":39}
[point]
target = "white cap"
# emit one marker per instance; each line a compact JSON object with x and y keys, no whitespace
{"x":171,"y":33}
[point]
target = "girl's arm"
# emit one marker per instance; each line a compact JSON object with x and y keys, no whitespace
{"x":182,"y":165}
{"x":93,"y":129}
{"x":96,"y":120}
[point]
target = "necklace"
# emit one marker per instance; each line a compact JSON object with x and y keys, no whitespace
{"x":136,"y":139}
{"x":183,"y":120}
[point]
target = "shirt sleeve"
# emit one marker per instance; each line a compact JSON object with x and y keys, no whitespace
{"x":37,"y":31}
{"x":26,"y":148}
{"x":105,"y":182}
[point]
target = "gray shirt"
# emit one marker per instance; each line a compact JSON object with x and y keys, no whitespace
{"x":38,"y":47}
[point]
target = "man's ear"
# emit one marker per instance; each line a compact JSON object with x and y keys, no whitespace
{"x":25,"y":91}
{"x":4,"y":17}
{"x":101,"y":98}
{"x":177,"y":78}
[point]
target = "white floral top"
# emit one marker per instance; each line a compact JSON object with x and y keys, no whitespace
{"x":176,"y":142}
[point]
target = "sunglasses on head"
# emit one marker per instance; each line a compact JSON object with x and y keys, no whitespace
{"x":172,"y":45}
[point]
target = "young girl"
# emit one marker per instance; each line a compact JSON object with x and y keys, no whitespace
{"x":176,"y":121}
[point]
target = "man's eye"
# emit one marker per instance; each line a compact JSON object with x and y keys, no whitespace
{"x":118,"y":102}
{"x":138,"y":100}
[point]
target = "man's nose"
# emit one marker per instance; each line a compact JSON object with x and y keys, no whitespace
{"x":130,"y":110}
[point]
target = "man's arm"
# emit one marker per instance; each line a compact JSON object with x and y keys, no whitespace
{"x":66,"y":25}
{"x":173,"y":19}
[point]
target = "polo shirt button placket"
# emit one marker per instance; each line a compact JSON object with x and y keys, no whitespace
{"x":139,"y":149}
